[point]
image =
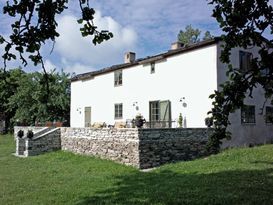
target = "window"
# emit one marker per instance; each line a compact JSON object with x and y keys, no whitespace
{"x":248,"y":114}
{"x":153,"y":67}
{"x":245,"y":60}
{"x":118,"y":111}
{"x":160,"y":110}
{"x":118,"y":78}
{"x":154,"y":111}
{"x":160,"y":114}
{"x":269,"y":114}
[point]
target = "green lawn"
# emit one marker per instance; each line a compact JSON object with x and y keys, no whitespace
{"x":237,"y":176}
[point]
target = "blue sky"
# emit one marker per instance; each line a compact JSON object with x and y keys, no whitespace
{"x":147,"y":27}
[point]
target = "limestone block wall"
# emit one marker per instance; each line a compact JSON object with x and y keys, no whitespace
{"x":47,"y":142}
{"x":160,"y":146}
{"x":141,"y":148}
{"x":120,"y":145}
{"x":44,"y":140}
{"x":20,"y":146}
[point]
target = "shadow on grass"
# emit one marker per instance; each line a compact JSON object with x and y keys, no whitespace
{"x":168,"y":187}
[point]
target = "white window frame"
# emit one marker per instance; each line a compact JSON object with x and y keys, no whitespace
{"x":118,"y":111}
{"x":118,"y":78}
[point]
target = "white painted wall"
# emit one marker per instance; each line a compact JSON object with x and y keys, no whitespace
{"x":246,"y":134}
{"x":191,"y":75}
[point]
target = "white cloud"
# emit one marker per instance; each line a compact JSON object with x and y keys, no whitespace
{"x":158,"y":22}
{"x":49,"y":66}
{"x":144,"y":26}
{"x":80,"y":51}
{"x":75,"y":67}
{"x":147,"y":27}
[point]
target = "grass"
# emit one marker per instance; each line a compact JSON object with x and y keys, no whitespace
{"x":236,"y":176}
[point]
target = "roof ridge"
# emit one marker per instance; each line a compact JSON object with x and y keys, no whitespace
{"x":146,"y":59}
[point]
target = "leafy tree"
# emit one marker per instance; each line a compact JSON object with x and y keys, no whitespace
{"x":35,"y":23}
{"x":32,"y":103}
{"x":207,"y":36}
{"x":246,"y":24}
{"x":191,"y":35}
{"x":9,"y":82}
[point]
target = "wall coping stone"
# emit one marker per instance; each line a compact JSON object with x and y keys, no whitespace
{"x":40,"y":136}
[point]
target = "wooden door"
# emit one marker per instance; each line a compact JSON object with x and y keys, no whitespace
{"x":87,"y":116}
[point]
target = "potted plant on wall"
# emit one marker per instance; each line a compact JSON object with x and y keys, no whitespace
{"x":139,"y":120}
{"x":20,"y":133}
{"x":180,"y":120}
{"x":30,"y":134}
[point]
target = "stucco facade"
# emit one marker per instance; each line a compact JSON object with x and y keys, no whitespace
{"x":246,"y":134}
{"x":187,"y":76}
{"x":191,"y":75}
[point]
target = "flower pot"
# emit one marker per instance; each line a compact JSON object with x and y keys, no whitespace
{"x":139,"y":122}
{"x":20,"y":133}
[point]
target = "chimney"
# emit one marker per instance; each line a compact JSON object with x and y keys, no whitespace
{"x":129,"y":57}
{"x":177,"y":45}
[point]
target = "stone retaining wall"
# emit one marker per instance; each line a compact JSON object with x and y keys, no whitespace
{"x":120,"y":145}
{"x":142,"y":148}
{"x":160,"y":146}
{"x":20,"y":146}
{"x":46,"y":142}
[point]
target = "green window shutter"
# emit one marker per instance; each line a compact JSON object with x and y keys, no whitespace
{"x":165,"y":108}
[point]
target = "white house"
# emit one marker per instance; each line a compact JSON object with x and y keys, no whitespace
{"x":161,"y":87}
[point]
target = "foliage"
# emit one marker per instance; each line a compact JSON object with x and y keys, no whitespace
{"x":35,"y":23}
{"x":9,"y":82}
{"x":208,"y":122}
{"x":180,"y":120}
{"x":236,"y":176}
{"x":26,"y":101}
{"x":207,"y":36}
{"x":191,"y":35}
{"x":139,"y":120}
{"x":246,"y":24}
{"x":139,"y":116}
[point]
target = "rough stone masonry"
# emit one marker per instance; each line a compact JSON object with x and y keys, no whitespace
{"x":141,"y":148}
